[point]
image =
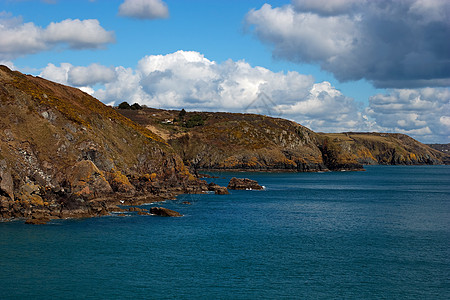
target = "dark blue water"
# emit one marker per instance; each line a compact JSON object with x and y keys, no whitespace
{"x":379,"y":234}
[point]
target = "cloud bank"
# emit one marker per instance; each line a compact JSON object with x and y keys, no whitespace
{"x":391,"y":43}
{"x":18,"y":38}
{"x":144,"y":9}
{"x":187,"y":79}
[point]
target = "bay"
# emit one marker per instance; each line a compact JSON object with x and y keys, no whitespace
{"x":379,"y":234}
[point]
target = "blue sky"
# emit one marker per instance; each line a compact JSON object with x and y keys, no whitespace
{"x":344,"y":65}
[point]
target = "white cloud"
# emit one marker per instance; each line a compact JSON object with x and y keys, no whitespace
{"x":82,"y":77}
{"x":423,"y":113}
{"x":78,"y":34}
{"x":187,"y":79}
{"x":57,"y":74}
{"x":144,"y":9}
{"x":91,"y":75}
{"x":326,"y":109}
{"x":391,"y":43}
{"x":18,"y":38}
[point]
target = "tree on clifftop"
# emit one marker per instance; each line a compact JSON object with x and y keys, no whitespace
{"x":124,"y":105}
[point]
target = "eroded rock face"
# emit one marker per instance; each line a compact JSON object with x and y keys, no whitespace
{"x":164,"y":212}
{"x":243,"y":184}
{"x":6,"y":181}
{"x":88,"y":181}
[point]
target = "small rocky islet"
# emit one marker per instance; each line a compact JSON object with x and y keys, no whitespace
{"x":64,"y":154}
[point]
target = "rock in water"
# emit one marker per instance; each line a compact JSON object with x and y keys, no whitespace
{"x":243,"y":184}
{"x":217,"y":189}
{"x":164,"y":212}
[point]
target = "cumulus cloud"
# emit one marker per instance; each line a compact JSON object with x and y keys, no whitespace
{"x":394,"y":44}
{"x":187,"y":79}
{"x":78,"y":76}
{"x":144,"y":9}
{"x":422,"y":113}
{"x":18,"y":38}
{"x":326,"y":109}
{"x":78,"y":34}
{"x":91,"y":75}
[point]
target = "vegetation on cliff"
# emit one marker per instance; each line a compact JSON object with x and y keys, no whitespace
{"x":62,"y":150}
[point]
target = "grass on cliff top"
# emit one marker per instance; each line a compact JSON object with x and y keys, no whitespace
{"x":74,"y":104}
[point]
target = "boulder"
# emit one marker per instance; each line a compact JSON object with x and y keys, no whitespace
{"x":40,"y":221}
{"x":217,"y":189}
{"x":135,"y":209}
{"x":243,"y":184}
{"x":164,"y":212}
{"x":38,"y":218}
{"x":143,"y":213}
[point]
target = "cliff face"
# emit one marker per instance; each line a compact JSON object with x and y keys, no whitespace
{"x":227,"y":141}
{"x":384,"y":148}
{"x":444,"y":149}
{"x":61,"y":150}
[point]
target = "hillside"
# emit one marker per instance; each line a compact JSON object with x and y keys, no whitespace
{"x":443,"y":148}
{"x":64,"y":153}
{"x":230,"y":141}
{"x":226,"y":141}
{"x":385,"y":148}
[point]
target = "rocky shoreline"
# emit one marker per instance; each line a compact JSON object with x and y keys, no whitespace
{"x":121,"y":204}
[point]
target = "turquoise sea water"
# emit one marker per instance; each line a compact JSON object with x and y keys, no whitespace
{"x":379,"y":234}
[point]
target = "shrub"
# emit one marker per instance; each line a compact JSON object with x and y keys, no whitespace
{"x":195,"y":120}
{"x":124,"y":105}
{"x":135,"y":106}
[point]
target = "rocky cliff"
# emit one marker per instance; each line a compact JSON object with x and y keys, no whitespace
{"x":64,"y":153}
{"x":227,"y":141}
{"x":384,"y":148}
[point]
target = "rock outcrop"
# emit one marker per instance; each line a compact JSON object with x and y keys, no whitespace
{"x":65,"y":154}
{"x":217,"y":189}
{"x":164,"y":212}
{"x":243,"y":184}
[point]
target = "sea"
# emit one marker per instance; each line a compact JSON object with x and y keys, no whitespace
{"x":379,"y":234}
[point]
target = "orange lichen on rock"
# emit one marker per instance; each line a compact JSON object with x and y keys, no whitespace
{"x":120,"y":183}
{"x":87,"y":180}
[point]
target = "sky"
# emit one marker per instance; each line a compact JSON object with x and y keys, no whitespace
{"x":330,"y":65}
